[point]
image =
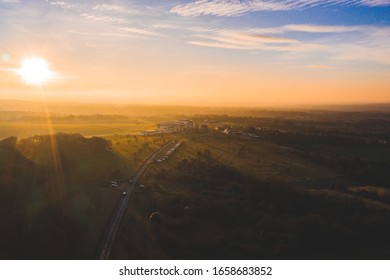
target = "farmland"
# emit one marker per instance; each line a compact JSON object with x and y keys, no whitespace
{"x":234,"y":196}
{"x":272,"y":184}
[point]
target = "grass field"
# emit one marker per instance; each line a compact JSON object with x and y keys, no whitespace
{"x":135,"y":148}
{"x":231,"y":196}
{"x":28,"y":129}
{"x":379,"y":153}
{"x":256,"y":158}
{"x":211,"y":203}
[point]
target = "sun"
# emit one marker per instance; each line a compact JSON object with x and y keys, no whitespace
{"x":35,"y":71}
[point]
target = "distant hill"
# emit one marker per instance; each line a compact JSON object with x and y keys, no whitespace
{"x":139,"y":110}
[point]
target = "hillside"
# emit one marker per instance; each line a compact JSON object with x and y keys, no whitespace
{"x":54,"y":195}
{"x":231,"y":197}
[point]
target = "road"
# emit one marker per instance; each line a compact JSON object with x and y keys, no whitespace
{"x":113,"y":224}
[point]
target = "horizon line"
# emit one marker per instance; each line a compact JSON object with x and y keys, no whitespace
{"x":240,"y":106}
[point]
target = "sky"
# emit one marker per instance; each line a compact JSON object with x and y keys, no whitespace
{"x":199,"y":52}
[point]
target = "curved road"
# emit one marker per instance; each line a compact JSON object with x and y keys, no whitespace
{"x":113,"y":224}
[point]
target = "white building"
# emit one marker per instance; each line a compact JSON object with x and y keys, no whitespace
{"x":188,"y":124}
{"x":171,"y":127}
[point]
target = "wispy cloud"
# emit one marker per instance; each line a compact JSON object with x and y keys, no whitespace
{"x":226,"y":8}
{"x":104,"y":18}
{"x":239,"y":7}
{"x":302,"y":47}
{"x":219,"y":45}
{"x":319,"y":66}
{"x":313,"y":28}
{"x":108,"y":34}
{"x":114,"y":9}
{"x":202,"y":29}
{"x":321,"y":28}
{"x":138,"y":31}
{"x":238,"y":39}
{"x":110,"y":8}
{"x":94,"y":34}
{"x":368,"y":43}
{"x":9,"y":1}
{"x":114,"y":16}
{"x":309,"y":28}
{"x":376,"y":2}
{"x":102,"y":9}
{"x":364,"y":50}
{"x":63,"y":5}
{"x":346,"y":43}
{"x":164,"y":26}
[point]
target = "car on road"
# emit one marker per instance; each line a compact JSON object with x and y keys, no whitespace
{"x":114,"y":184}
{"x":142,"y":186}
{"x":130,"y":181}
{"x":124,"y":193}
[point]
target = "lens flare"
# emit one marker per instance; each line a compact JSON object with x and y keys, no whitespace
{"x":35,"y":71}
{"x":5,"y":57}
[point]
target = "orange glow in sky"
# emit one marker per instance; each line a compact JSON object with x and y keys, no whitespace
{"x":229,"y":53}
